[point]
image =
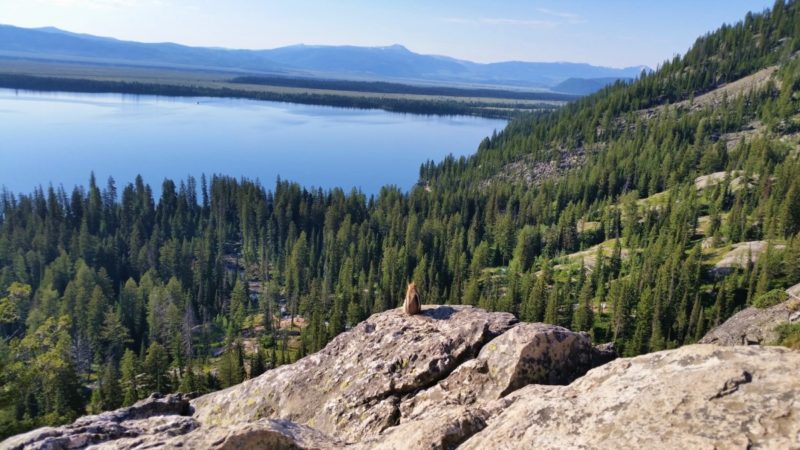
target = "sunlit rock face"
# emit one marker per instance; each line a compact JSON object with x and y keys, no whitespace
{"x":458,"y":376}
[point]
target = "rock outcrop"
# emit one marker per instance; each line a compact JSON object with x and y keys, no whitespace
{"x":454,"y":409}
{"x":262,"y":434}
{"x":752,"y":325}
{"x":387,"y":371}
{"x":794,"y":291}
{"x":741,"y":254}
{"x":458,"y":376}
{"x":157,"y":417}
{"x":699,"y":396}
{"x":353,"y":387}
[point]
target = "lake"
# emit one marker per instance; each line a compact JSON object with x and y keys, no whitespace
{"x":59,"y":138}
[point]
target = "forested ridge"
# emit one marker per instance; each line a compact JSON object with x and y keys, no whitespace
{"x":108,"y":294}
{"x":400,"y":88}
{"x":443,"y":105}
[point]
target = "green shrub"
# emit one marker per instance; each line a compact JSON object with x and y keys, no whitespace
{"x":771,"y":298}
{"x":789,"y":335}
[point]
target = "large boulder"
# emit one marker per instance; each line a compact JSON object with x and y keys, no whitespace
{"x":528,"y":353}
{"x":451,"y":411}
{"x":752,"y":325}
{"x":353,"y":387}
{"x":699,"y":396}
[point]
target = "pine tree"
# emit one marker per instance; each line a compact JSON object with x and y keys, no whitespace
{"x":64,"y":389}
{"x":583,"y":316}
{"x":551,"y":312}
{"x":700,"y":327}
{"x":231,"y":368}
{"x":737,"y":221}
{"x":720,"y":306}
{"x":156,"y":366}
{"x":108,"y":394}
{"x":187,"y":380}
{"x":793,"y":260}
{"x":615,"y":263}
{"x":258,"y":364}
{"x":113,"y":335}
{"x":642,"y":325}
{"x":620,"y":308}
{"x":657,"y":340}
{"x":472,"y":292}
{"x":354,"y":314}
{"x":239,"y":302}
{"x":764,"y":272}
{"x":129,"y":368}
{"x":265,"y":305}
{"x":192,"y":381}
{"x":695,"y":319}
{"x":337,"y":318}
{"x":96,"y":313}
{"x":533,"y":308}
{"x":790,"y":212}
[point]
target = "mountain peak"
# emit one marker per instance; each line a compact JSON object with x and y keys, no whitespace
{"x":50,"y":29}
{"x":397,"y":47}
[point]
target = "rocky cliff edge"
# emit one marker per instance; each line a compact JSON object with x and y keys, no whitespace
{"x":458,"y":376}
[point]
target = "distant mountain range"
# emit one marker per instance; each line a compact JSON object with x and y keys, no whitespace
{"x":395,"y":63}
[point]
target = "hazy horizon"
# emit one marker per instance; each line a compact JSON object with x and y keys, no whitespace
{"x":50,"y":27}
{"x":612,"y":34}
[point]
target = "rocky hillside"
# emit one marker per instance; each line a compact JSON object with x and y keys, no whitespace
{"x":768,"y":325}
{"x":457,"y":376}
{"x":754,"y":326}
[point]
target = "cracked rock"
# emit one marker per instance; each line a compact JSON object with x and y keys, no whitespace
{"x":454,"y":409}
{"x":660,"y":400}
{"x":346,"y":389}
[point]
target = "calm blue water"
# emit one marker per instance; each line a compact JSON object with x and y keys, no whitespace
{"x":59,"y":138}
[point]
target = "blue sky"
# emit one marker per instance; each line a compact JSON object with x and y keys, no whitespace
{"x":605,"y":32}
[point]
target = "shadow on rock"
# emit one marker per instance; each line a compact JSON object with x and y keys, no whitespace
{"x":439,"y":312}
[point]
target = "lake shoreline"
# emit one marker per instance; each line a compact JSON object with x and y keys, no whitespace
{"x":490,"y":108}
